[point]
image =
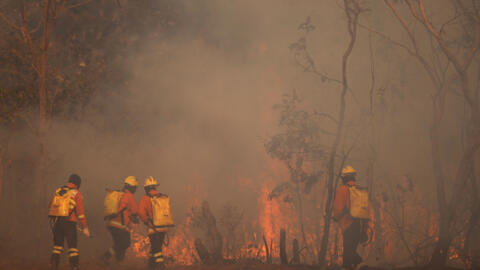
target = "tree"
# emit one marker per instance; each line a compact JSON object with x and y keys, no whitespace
{"x":32,"y":28}
{"x":58,"y":56}
{"x":301,"y":148}
{"x":456,"y":48}
{"x":352,"y":11}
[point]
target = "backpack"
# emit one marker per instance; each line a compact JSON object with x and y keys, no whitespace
{"x":111,"y":203}
{"x":62,"y":202}
{"x":162,"y":216}
{"x":359,"y":205}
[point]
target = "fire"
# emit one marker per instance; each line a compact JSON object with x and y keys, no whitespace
{"x":454,"y":256}
{"x":433,"y":229}
{"x":262,"y":232}
{"x":141,"y":245}
{"x":179,"y":244}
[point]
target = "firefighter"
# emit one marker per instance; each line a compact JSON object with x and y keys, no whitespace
{"x":64,"y":226}
{"x":156,"y":234}
{"x":120,"y":225}
{"x":351,"y":227}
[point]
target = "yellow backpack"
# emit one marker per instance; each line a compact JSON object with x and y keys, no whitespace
{"x":359,"y":205}
{"x":111,"y":203}
{"x":162,"y":216}
{"x":61,"y":203}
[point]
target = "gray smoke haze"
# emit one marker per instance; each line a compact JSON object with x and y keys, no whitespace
{"x":194,"y":114}
{"x":198,"y":108}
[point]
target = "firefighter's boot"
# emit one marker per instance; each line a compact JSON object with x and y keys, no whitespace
{"x":151,"y":263}
{"x":54,"y":261}
{"x":73,"y":258}
{"x":105,"y":258}
{"x":159,"y":261}
{"x":160,"y":266}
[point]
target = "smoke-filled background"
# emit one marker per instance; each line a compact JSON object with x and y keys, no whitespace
{"x":191,"y":93}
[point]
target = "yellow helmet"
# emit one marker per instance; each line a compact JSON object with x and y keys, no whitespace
{"x":348,"y":170}
{"x":131,"y":180}
{"x":150,"y":181}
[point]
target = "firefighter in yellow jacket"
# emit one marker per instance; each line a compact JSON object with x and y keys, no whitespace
{"x":154,"y":211}
{"x":120,"y":224}
{"x":65,"y":210}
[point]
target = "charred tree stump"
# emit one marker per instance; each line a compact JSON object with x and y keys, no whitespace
{"x":202,"y":251}
{"x":283,"y":250}
{"x":296,"y":252}
{"x":269,"y":256}
{"x":214,"y":239}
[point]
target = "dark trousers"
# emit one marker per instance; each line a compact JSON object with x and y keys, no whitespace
{"x":156,"y":255}
{"x":121,"y":242}
{"x":351,"y":238}
{"x":64,"y":230}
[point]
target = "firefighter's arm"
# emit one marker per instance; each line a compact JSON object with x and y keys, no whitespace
{"x":81,"y":211}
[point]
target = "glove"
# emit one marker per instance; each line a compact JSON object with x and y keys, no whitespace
{"x":86,"y":232}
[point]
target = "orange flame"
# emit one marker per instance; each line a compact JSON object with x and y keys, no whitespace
{"x":141,"y":245}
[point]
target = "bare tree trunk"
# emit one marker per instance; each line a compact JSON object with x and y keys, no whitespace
{"x":213,"y":237}
{"x":374,"y":145}
{"x":352,"y":10}
{"x":469,"y":235}
{"x":379,"y":243}
{"x":300,"y":220}
{"x":42,"y":66}
{"x":268,"y":253}
{"x":2,"y":170}
{"x":296,"y":252}
{"x":283,"y":247}
{"x":318,"y":219}
{"x":335,"y":246}
{"x":441,"y":249}
{"x":202,"y":251}
{"x":471,"y":247}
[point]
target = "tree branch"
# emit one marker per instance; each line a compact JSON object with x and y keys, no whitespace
{"x":417,"y":55}
{"x":79,"y":4}
{"x":394,"y":42}
{"x":461,"y":70}
{"x":404,"y":25}
{"x":8,"y":22}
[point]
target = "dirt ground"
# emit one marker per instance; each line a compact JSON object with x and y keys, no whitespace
{"x":142,"y":266}
{"x":89,"y":265}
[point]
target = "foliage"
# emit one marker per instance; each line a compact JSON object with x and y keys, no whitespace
{"x":299,"y":145}
{"x":88,"y":43}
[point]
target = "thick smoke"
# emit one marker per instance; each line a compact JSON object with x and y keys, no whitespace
{"x":197,"y":109}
